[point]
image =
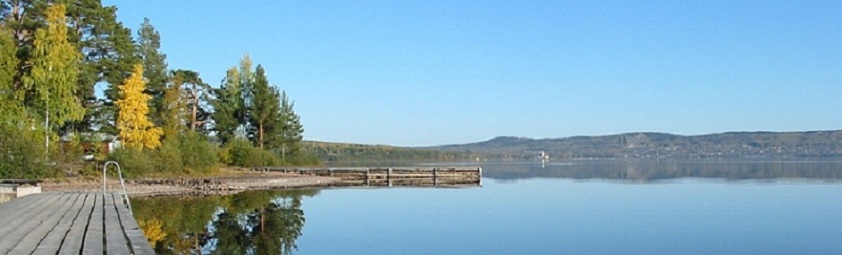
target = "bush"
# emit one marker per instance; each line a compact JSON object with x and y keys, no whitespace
{"x":169,"y":156}
{"x":241,"y":152}
{"x":134,"y":162}
{"x":197,"y":154}
{"x":22,"y":153}
{"x":189,"y":153}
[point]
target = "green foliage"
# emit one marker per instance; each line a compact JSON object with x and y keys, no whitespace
{"x":192,"y":96}
{"x":154,"y":68}
{"x":189,"y":153}
{"x":11,"y":99}
{"x":228,"y":109}
{"x":289,"y":136}
{"x":54,"y":71}
{"x":197,"y":154}
{"x":169,"y":157}
{"x":340,"y":152}
{"x":264,"y":108}
{"x":134,"y":162}
{"x":21,"y":153}
{"x":243,"y":154}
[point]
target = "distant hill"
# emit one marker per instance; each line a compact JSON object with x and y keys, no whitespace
{"x":661,"y":145}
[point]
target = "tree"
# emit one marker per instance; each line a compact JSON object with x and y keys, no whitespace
{"x":232,"y":102}
{"x":264,"y":106}
{"x":11,"y":99}
{"x":135,"y":128}
{"x":195,"y":93}
{"x":291,"y":132}
{"x":246,"y":84}
{"x":227,"y":107}
{"x":173,"y":111}
{"x":54,"y":72}
{"x":108,"y":58}
{"x":154,"y":68}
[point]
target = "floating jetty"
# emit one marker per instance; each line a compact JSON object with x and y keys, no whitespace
{"x":394,"y":176}
{"x":70,"y":223}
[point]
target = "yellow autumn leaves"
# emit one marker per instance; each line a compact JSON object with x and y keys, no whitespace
{"x":135,"y":128}
{"x":152,"y":230}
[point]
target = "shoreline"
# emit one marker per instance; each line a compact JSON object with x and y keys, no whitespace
{"x":218,"y":185}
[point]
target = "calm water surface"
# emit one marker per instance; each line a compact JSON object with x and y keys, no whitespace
{"x":581,"y":207}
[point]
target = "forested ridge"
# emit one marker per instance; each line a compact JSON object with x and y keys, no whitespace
{"x":661,"y":145}
{"x":73,"y":80}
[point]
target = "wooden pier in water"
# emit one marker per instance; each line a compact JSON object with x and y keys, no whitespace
{"x":70,"y":223}
{"x":467,"y":176}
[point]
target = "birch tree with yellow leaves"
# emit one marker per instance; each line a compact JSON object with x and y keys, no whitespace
{"x":134,"y":127}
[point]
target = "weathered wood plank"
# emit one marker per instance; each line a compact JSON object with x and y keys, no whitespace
{"x":16,"y":209}
{"x":35,"y":237}
{"x":11,"y":206}
{"x":72,"y":223}
{"x":52,"y":242}
{"x":93,"y":241}
{"x":75,"y":235}
{"x":40,"y":212}
{"x":115,"y":241}
{"x":138,"y":241}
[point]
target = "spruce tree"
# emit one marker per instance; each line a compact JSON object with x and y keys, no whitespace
{"x":292,"y":132}
{"x":227,"y":107}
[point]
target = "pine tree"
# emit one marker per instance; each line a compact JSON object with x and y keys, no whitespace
{"x":135,"y":128}
{"x":264,"y":105}
{"x":54,"y":72}
{"x":154,"y":68}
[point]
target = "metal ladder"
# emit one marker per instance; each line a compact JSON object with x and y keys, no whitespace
{"x":124,"y":194}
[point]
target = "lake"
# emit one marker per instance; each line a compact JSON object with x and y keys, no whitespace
{"x":573,"y":207}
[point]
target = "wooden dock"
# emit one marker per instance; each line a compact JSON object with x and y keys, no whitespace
{"x":395,"y":176}
{"x":70,"y":223}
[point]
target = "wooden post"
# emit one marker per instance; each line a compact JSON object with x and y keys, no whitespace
{"x":367,"y":172}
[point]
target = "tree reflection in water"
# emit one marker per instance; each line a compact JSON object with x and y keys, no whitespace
{"x":251,"y":222}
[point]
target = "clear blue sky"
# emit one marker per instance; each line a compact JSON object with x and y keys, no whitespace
{"x":415,"y":73}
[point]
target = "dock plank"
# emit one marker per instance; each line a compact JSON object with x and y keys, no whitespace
{"x":115,"y":241}
{"x":31,"y":240}
{"x":54,"y":240}
{"x":138,"y":241}
{"x":18,"y":209}
{"x":39,"y":212}
{"x":70,"y":223}
{"x":94,"y":238}
{"x":75,"y":235}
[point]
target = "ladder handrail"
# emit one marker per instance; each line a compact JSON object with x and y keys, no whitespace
{"x":124,"y":195}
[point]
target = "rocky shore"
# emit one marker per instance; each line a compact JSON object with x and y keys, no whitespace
{"x":191,"y":185}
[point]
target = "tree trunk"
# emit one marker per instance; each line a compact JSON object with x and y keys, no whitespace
{"x":193,"y":122}
{"x":260,"y":135}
